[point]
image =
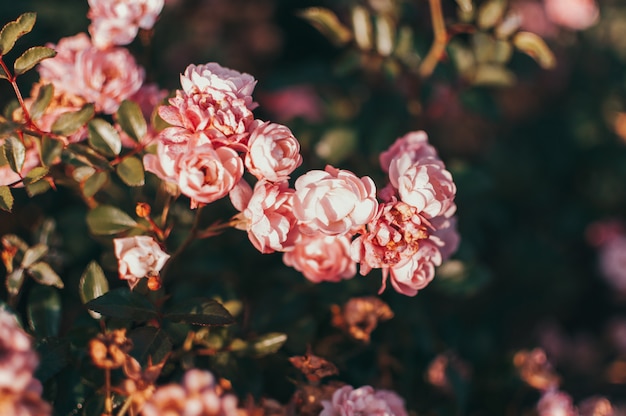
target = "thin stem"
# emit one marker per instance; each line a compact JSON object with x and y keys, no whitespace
{"x":108,"y":401}
{"x":12,"y":79}
{"x":125,"y":406}
{"x":193,"y":232}
{"x":439,"y":43}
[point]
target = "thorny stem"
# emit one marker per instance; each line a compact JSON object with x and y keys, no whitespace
{"x":439,"y":43}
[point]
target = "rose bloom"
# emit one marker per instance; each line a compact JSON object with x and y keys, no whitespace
{"x":322,"y":258}
{"x":138,"y":257}
{"x":269,"y":218}
{"x":445,"y":236}
{"x":414,"y":144}
{"x":556,"y":403}
{"x":206,"y":174}
{"x":79,"y":69}
{"x":273,"y":152}
{"x":116,"y":22}
{"x":572,"y":14}
{"x":198,"y":395}
{"x":334,"y":201}
{"x":164,"y":163}
{"x":415,"y":274}
{"x":348,"y":401}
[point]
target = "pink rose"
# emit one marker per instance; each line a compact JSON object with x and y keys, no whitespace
{"x":426,"y":185}
{"x":18,"y":361}
{"x":573,"y":14}
{"x":334,"y":201}
{"x":417,"y":273}
{"x":218,"y":82}
{"x":273,"y":152}
{"x":556,"y":403}
{"x":138,"y":257}
{"x":269,"y":217}
{"x":348,"y":401}
{"x":116,"y":22}
{"x":206,"y":174}
{"x":445,"y":236}
{"x":322,"y":258}
{"x":414,"y":144}
{"x":164,"y":163}
{"x":105,"y":78}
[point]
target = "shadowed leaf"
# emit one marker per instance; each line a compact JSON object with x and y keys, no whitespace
{"x":123,"y":304}
{"x":131,"y":172}
{"x":107,"y":220}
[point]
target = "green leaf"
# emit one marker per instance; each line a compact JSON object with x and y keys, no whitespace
{"x":50,"y":150}
{"x":131,"y":120}
{"x":93,"y":283}
{"x":15,"y":152}
{"x":37,"y":188}
{"x":267,"y":344}
{"x":44,"y":311}
{"x":35,"y":175}
{"x":535,"y":47}
{"x":131,"y":172}
{"x":6,"y":198}
{"x":199,"y":311}
{"x":123,"y":304}
{"x":33,"y":255}
{"x":94,"y":183}
{"x":44,"y":275}
{"x":31,"y":57}
{"x":14,"y":281}
{"x":328,"y":24}
{"x":108,"y":220}
{"x":86,"y":155}
{"x":149,"y":341}
{"x":104,"y":138}
{"x":14,"y":30}
{"x":69,"y":122}
{"x":44,"y":96}
{"x":490,"y":13}
{"x":54,"y":355}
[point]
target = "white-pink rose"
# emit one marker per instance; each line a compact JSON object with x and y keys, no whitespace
{"x":138,"y":257}
{"x":206,"y":174}
{"x":573,"y":14}
{"x":322,"y":258}
{"x":17,"y":360}
{"x":269,"y":217}
{"x":164,"y":163}
{"x":414,"y":145}
{"x":348,"y":401}
{"x":273,"y":152}
{"x":417,"y":272}
{"x":334,"y":201}
{"x":116,"y":22}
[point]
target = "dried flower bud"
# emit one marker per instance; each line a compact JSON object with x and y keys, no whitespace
{"x":110,"y":350}
{"x":154,"y":282}
{"x":535,"y":369}
{"x":439,"y":368}
{"x":142,"y":210}
{"x":313,"y":367}
{"x":360,"y":316}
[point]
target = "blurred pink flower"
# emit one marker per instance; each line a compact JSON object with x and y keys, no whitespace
{"x":273,"y":152}
{"x":445,"y":235}
{"x":197,"y":395}
{"x":348,"y":401}
{"x":147,"y":98}
{"x":602,"y":232}
{"x":104,"y":78}
{"x":269,"y":218}
{"x":613,"y":262}
{"x":596,"y":406}
{"x":414,"y":145}
{"x":556,"y":403}
{"x":138,"y":257}
{"x":572,"y":14}
{"x":294,"y":101}
{"x":206,"y":174}
{"x":334,"y":201}
{"x":322,"y":258}
{"x":31,"y":160}
{"x":116,"y":22}
{"x":533,"y":18}
{"x":164,"y":163}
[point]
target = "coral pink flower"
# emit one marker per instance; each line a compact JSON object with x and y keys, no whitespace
{"x":334,"y":201}
{"x":294,"y":101}
{"x":198,"y":395}
{"x":417,"y":273}
{"x":138,"y":257}
{"x":116,"y":22}
{"x":218,"y":82}
{"x":556,"y":403}
{"x":164,"y":163}
{"x":348,"y":401}
{"x":273,"y":152}
{"x":426,"y":185}
{"x":269,"y":218}
{"x":573,"y":14}
{"x":206,"y":174}
{"x":414,"y":145}
{"x":322,"y":258}
{"x":105,"y":78}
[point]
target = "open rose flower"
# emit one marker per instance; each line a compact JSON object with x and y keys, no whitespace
{"x":348,"y":401}
{"x":138,"y":257}
{"x":334,"y":201}
{"x":322,"y":258}
{"x":414,"y":144}
{"x":116,"y":22}
{"x":415,"y":274}
{"x":273,"y":152}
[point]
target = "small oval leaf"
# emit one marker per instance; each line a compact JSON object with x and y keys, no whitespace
{"x":108,"y":220}
{"x":33,"y":255}
{"x":15,"y":153}
{"x":535,"y":47}
{"x":94,"y":183}
{"x":44,"y":96}
{"x":31,"y":57}
{"x":93,"y":284}
{"x":490,"y":13}
{"x":267,"y":344}
{"x":123,"y":304}
{"x":35,"y":175}
{"x":69,"y":122}
{"x":14,"y":281}
{"x":131,"y":120}
{"x":104,"y":138}
{"x":50,"y":150}
{"x":131,"y":171}
{"x":6,"y":198}
{"x":44,"y":311}
{"x":37,"y":188}
{"x":44,"y":275}
{"x":200,"y":312}
{"x":14,"y":30}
